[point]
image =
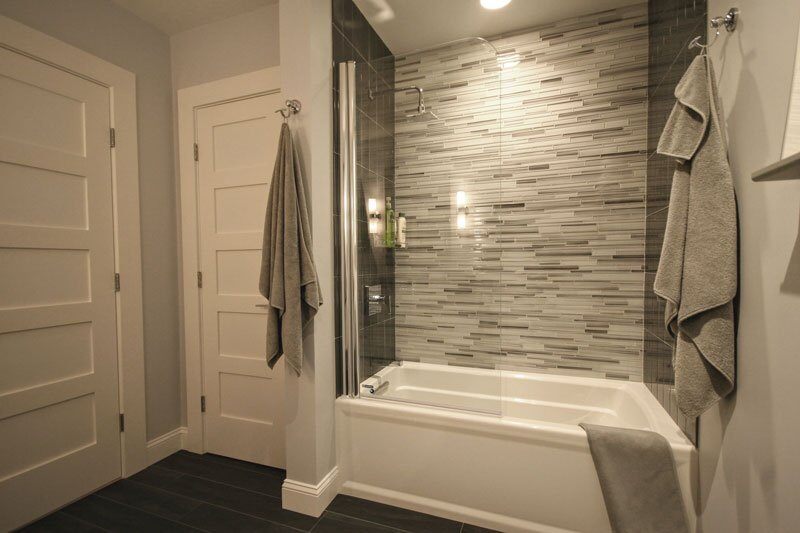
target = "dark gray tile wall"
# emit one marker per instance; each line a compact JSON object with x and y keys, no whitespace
{"x":548,"y":275}
{"x":354,"y":39}
{"x":672,"y":24}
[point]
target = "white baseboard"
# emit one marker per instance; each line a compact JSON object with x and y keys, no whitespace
{"x":447,"y":510}
{"x":165,"y":445}
{"x":311,"y":499}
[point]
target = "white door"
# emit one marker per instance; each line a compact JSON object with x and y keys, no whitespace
{"x":59,"y":414}
{"x":237,"y":143}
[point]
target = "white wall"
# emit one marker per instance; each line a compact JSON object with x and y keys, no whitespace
{"x":750,"y":445}
{"x":226,"y":48}
{"x":306,"y":75}
{"x":111,"y":33}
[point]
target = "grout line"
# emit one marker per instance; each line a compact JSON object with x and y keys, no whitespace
{"x":373,"y":522}
{"x":79,"y":519}
{"x":145,"y":512}
{"x":218,"y":482}
{"x":215,"y":481}
{"x":319,"y":519}
{"x":210,"y":457}
{"x":205,"y":502}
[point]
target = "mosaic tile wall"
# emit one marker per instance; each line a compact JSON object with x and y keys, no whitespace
{"x":673,"y":23}
{"x":354,"y":39}
{"x":548,"y":272}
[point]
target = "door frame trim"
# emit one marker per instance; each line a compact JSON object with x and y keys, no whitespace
{"x":190,"y":99}
{"x":121,"y":83}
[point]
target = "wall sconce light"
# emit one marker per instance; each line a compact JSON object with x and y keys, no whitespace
{"x":374,"y":215}
{"x":461,"y":200}
{"x":461,"y":210}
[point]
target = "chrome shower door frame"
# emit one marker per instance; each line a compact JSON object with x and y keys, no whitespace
{"x":348,"y":256}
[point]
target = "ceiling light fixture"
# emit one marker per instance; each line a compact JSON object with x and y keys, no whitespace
{"x":494,"y":4}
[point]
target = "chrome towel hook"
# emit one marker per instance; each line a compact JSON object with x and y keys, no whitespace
{"x":728,"y":21}
{"x":292,"y":107}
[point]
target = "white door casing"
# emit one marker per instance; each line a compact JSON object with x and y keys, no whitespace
{"x":237,"y":143}
{"x":59,"y":398}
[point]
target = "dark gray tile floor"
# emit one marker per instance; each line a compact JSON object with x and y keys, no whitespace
{"x":190,"y":492}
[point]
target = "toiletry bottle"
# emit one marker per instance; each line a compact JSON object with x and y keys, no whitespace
{"x":401,"y":230}
{"x":389,"y":234}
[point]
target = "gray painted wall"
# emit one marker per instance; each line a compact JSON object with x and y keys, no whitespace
{"x":229,"y":47}
{"x":115,"y":35}
{"x":749,"y":461}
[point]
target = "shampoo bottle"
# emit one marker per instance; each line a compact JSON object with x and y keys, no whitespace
{"x":401,"y":230}
{"x":390,"y":232}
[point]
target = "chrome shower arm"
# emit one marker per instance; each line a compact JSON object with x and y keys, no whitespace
{"x":420,"y":95}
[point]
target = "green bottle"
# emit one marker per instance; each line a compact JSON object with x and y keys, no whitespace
{"x":389,"y":235}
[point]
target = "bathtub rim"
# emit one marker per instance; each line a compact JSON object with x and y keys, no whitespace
{"x":655,"y":413}
{"x":561,"y":435}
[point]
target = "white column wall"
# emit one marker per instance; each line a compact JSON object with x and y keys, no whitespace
{"x":305,"y":44}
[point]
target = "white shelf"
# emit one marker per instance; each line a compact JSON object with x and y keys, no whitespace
{"x":785,"y":169}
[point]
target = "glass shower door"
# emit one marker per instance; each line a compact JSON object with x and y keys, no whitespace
{"x":419,"y":144}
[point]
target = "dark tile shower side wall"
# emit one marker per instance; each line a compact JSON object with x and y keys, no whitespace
{"x":673,"y":23}
{"x":354,"y":39}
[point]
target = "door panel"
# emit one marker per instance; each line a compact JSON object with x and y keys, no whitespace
{"x":59,"y":412}
{"x":244,"y":398}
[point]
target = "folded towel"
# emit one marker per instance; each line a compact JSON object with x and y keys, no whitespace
{"x":638,"y":479}
{"x":697,"y":272}
{"x":288,"y":276}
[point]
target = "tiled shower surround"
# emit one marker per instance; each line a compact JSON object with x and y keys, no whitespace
{"x":547,"y":273}
{"x":673,"y":23}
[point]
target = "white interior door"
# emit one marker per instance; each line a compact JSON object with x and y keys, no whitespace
{"x":237,"y":144}
{"x":59,"y":413}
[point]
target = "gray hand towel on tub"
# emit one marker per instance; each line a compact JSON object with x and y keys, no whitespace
{"x":638,"y":479}
{"x":288,"y":276}
{"x":697,"y":273}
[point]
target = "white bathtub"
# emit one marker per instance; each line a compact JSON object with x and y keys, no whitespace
{"x":516,"y":461}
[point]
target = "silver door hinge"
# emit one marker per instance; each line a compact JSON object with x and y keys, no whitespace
{"x":196,"y":152}
{"x":116,"y":281}
{"x":121,"y":422}
{"x":112,"y":141}
{"x":202,"y":404}
{"x":199,"y":279}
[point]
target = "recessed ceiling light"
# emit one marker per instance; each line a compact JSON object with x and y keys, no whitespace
{"x":494,"y":4}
